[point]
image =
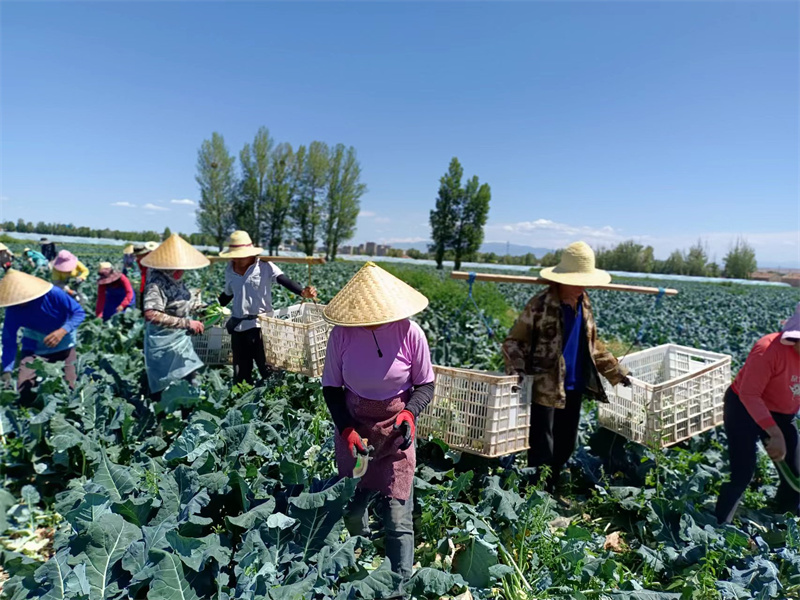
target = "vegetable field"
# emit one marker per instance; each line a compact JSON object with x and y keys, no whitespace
{"x":220,"y":493}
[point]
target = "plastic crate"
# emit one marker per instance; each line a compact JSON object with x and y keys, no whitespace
{"x":478,"y":412}
{"x":296,"y":338}
{"x":213,"y":346}
{"x":676,"y":393}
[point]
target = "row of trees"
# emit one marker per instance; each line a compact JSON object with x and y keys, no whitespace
{"x":311,"y":193}
{"x":738,"y":263}
{"x":459,"y":217}
{"x":21,"y":226}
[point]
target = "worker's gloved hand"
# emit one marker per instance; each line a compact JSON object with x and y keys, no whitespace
{"x":626,"y":381}
{"x":309,"y":292}
{"x":354,"y":442}
{"x":54,"y":339}
{"x":775,"y":444}
{"x":405,"y":423}
{"x":196,"y":327}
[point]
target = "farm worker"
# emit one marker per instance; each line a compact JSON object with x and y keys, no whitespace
{"x":114,"y":292}
{"x":48,"y":249}
{"x":128,"y":259}
{"x":555,"y":342}
{"x":67,"y":269}
{"x":6,"y":257}
{"x":35,"y":259}
{"x":140,"y":251}
{"x":48,"y":317}
{"x":168,"y":352}
{"x":762,"y":404}
{"x":248,"y":283}
{"x":377,"y":379}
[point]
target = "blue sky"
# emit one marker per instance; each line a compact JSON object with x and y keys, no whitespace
{"x":600,"y":121}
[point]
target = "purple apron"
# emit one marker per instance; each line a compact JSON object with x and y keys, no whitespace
{"x":391,"y":470}
{"x":115,"y":294}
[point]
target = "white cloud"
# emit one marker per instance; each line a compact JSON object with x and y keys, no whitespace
{"x":365,"y":214}
{"x":123,"y":204}
{"x":151,"y":206}
{"x":184,"y":202}
{"x":382,"y":219}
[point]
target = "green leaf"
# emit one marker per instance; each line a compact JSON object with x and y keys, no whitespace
{"x":256,"y":515}
{"x":135,"y":510}
{"x":135,"y":558}
{"x":115,"y":478}
{"x":53,"y":576}
{"x":473,"y":562}
{"x":199,"y":437}
{"x":293,"y":473}
{"x":169,"y":582}
{"x":89,"y":510}
{"x":378,"y":584}
{"x":319,"y":515}
{"x":155,"y":536}
{"x":333,"y":560}
{"x":108,"y":539}
{"x":428,"y":582}
{"x":29,"y":495}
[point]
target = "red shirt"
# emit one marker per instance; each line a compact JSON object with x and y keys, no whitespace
{"x":101,"y":295}
{"x":769,"y":381}
{"x":143,"y":271}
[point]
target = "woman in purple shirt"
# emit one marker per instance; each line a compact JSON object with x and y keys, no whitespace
{"x":377,"y":379}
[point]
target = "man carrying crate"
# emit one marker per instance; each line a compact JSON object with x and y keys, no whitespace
{"x":248,"y":284}
{"x":555,"y":342}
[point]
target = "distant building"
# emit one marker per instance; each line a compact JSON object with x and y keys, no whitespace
{"x":370,"y":248}
{"x":346,"y":250}
{"x":383,"y":250}
{"x":793,"y":279}
{"x":765,"y":276}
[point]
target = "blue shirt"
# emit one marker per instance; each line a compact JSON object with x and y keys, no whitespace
{"x":573,"y":320}
{"x":40,"y":317}
{"x":38,"y":258}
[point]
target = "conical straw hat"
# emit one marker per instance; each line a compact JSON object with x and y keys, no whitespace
{"x":240,"y":246}
{"x":17,"y":287}
{"x":577,"y":267}
{"x":128,"y":249}
{"x":373,"y":297}
{"x":175,"y":254}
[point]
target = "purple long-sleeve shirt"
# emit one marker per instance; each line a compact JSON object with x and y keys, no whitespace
{"x":56,"y":309}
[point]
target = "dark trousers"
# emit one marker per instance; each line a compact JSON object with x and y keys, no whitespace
{"x":247,"y":348}
{"x":398,"y":524}
{"x":554,"y":435}
{"x":27,"y":375}
{"x":743,"y":434}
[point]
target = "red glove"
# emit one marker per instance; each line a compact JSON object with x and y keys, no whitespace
{"x":405,"y":423}
{"x":354,"y":442}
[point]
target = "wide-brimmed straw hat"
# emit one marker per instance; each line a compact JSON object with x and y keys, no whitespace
{"x":146,"y":248}
{"x":240,"y":246}
{"x":790,"y":333}
{"x":577,"y":267}
{"x":107,"y":273}
{"x":128,"y":249}
{"x":44,"y":240}
{"x":373,"y":297}
{"x":4,"y":248}
{"x":175,"y":254}
{"x":65,"y":261}
{"x":17,"y":287}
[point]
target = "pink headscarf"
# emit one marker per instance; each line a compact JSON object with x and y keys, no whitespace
{"x":791,"y":329}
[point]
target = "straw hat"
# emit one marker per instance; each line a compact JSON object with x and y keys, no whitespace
{"x":107,"y":273}
{"x":128,"y":249}
{"x":240,"y":246}
{"x":146,"y":248}
{"x":65,"y":262}
{"x":373,"y":297}
{"x":175,"y":254}
{"x":44,"y":240}
{"x":3,"y":247}
{"x":17,"y":287}
{"x":576,"y":268}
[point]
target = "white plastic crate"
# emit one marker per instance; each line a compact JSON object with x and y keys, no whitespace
{"x":296,"y":338}
{"x":677,"y":392}
{"x":478,"y":412}
{"x":213,"y":346}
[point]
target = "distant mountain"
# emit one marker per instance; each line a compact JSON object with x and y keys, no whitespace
{"x":498,"y":248}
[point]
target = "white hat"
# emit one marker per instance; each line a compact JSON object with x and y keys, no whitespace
{"x":240,"y":246}
{"x":577,"y":267}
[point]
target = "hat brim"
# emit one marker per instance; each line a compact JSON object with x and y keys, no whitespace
{"x":110,"y":278}
{"x":65,"y":267}
{"x":790,"y":338}
{"x":25,"y":288}
{"x":245,"y":252}
{"x":353,"y":320}
{"x":596,"y":277}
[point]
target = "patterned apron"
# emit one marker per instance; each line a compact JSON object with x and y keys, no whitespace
{"x":391,"y":470}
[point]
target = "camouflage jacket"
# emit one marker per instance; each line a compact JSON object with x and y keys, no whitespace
{"x":534,"y":346}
